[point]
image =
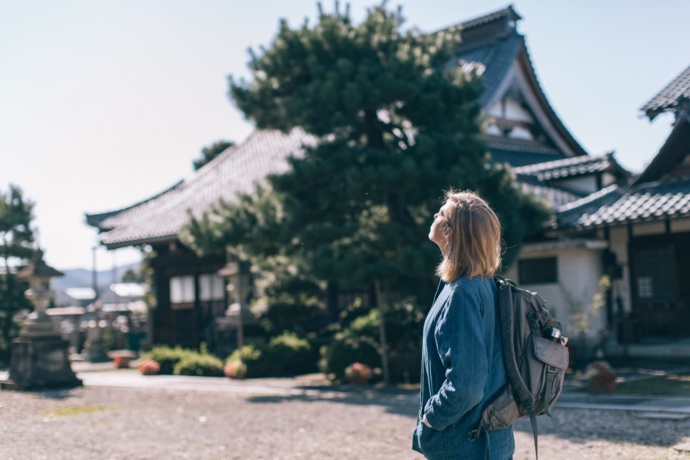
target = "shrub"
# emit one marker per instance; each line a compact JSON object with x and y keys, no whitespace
{"x":290,"y":355}
{"x":199,"y":365}
{"x":167,"y":357}
{"x":358,"y":373}
{"x":344,"y":351}
{"x":235,"y":369}
{"x":254,"y":358}
{"x":149,"y":367}
{"x":405,"y":365}
{"x":286,"y":354}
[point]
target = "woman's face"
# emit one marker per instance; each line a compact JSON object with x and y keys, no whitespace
{"x":440,"y":230}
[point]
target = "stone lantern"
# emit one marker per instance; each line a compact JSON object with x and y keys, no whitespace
{"x":40,"y":357}
{"x":239,"y":288}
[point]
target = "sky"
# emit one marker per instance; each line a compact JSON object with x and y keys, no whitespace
{"x":106,"y":103}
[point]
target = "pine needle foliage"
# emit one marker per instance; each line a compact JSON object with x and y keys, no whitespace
{"x":397,"y":124}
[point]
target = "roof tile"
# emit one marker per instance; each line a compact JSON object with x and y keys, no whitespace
{"x":234,"y":171}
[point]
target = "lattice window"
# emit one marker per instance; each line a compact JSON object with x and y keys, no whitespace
{"x":182,"y":292}
{"x":656,"y":278}
{"x":538,"y":271}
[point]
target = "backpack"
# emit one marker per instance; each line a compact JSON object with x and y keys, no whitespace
{"x":535,"y":357}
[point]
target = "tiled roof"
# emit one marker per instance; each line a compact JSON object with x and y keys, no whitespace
{"x":234,"y":171}
{"x":553,"y":197}
{"x":666,"y":199}
{"x":496,"y":58}
{"x":517,"y":152}
{"x":670,"y":96}
{"x":494,"y":52}
{"x":95,"y":220}
{"x":507,"y":12}
{"x":675,"y":149}
{"x":568,"y":167}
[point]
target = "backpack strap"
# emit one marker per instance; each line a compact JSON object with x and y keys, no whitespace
{"x":504,"y":306}
{"x":550,"y":385}
{"x":535,"y":430}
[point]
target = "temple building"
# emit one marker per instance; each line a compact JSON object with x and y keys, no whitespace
{"x":521,"y":128}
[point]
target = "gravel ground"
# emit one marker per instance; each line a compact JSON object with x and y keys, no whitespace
{"x":112,"y":423}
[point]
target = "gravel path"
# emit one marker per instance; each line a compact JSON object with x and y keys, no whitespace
{"x":113,"y":423}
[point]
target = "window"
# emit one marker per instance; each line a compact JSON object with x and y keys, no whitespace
{"x":537,"y":271}
{"x":656,"y":280}
{"x":211,"y":287}
{"x":182,"y":290}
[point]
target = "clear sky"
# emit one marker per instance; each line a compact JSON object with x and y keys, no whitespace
{"x":105,"y":103}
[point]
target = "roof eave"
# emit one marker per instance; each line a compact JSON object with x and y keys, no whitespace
{"x":669,"y":152}
{"x":525,"y":64}
{"x":140,"y":241}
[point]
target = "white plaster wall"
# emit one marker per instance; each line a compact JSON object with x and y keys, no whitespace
{"x":520,"y":133}
{"x":607,"y":179}
{"x":649,"y":228}
{"x":679,"y":226}
{"x":495,"y":110}
{"x":514,"y":111}
{"x":579,"y":271}
{"x":587,"y":184}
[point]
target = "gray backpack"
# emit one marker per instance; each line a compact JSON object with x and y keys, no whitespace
{"x":535,"y":357}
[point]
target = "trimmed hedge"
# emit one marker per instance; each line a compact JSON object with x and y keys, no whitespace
{"x":167,"y":357}
{"x":199,"y":365}
{"x":285,"y":355}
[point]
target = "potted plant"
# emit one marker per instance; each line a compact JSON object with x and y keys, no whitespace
{"x":149,"y":367}
{"x":121,"y":361}
{"x":235,"y":369}
{"x":358,"y":373}
{"x":601,"y":377}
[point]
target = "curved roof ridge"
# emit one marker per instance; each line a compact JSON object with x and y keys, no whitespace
{"x":95,"y":220}
{"x":670,"y":96}
{"x":546,"y":105}
{"x":235,"y":170}
{"x":571,"y":161}
{"x":507,"y":11}
{"x":589,"y":199}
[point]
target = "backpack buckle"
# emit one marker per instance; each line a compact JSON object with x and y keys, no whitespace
{"x":474,"y":434}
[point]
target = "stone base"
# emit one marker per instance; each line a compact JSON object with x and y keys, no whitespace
{"x":40,"y":363}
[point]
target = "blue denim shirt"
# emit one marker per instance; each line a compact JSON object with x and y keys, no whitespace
{"x":462,"y":369}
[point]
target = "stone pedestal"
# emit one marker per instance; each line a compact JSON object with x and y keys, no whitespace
{"x":40,"y":356}
{"x":94,"y":348}
{"x":40,"y":362}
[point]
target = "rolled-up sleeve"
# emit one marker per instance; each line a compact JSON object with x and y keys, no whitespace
{"x":460,"y":343}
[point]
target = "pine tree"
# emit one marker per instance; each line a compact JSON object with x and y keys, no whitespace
{"x":397,"y":125}
{"x":16,"y":238}
{"x":210,"y":152}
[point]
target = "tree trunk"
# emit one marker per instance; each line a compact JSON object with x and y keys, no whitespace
{"x":381,"y":300}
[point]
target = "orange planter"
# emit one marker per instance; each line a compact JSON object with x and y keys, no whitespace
{"x":122,"y":362}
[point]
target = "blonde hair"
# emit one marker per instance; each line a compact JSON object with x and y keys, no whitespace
{"x":474,"y":243}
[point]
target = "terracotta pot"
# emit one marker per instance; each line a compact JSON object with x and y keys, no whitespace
{"x":122,"y":362}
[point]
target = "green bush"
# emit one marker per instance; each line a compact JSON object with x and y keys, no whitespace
{"x":291,"y":355}
{"x":254,"y":358}
{"x":167,"y":357}
{"x":345,"y":350}
{"x":284,"y":355}
{"x":405,"y":365}
{"x":359,"y":342}
{"x":198,"y":364}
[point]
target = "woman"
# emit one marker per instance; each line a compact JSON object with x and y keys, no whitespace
{"x":462,"y":360}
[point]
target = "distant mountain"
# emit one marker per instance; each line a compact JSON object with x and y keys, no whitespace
{"x":82,"y":277}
